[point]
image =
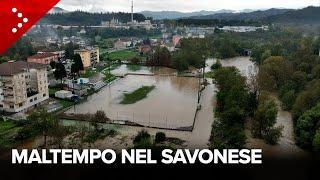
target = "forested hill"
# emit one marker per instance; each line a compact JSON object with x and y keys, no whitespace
{"x":309,"y":15}
{"x":79,"y":18}
{"x":255,"y":15}
{"x":305,"y":16}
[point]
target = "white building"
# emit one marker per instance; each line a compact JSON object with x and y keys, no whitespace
{"x":24,"y":85}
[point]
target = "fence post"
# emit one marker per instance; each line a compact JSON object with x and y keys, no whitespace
{"x":166,"y":122}
{"x":149,"y":119}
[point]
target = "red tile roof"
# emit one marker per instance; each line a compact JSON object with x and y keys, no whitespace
{"x":42,"y":55}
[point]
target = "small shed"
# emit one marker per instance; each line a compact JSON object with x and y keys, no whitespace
{"x":63,"y":94}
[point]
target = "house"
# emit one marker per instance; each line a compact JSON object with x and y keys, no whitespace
{"x":145,"y":49}
{"x":176,"y":40}
{"x":77,"y":89}
{"x":121,"y":45}
{"x":89,"y":56}
{"x":24,"y":85}
{"x":43,"y":58}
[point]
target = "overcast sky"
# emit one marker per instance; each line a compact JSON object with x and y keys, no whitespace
{"x":181,"y":5}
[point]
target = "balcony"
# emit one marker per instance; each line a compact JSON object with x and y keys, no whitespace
{"x":7,"y":84}
{"x":9,"y":99}
{"x":32,"y":93}
{"x":8,"y":93}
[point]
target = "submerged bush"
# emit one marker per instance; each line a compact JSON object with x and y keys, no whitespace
{"x":160,"y":137}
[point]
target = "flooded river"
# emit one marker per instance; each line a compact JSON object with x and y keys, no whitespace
{"x":177,"y":96}
{"x":286,"y":144}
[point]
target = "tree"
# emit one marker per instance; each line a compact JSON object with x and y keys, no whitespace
{"x":100,"y":116}
{"x":274,"y":72}
{"x":53,"y":64}
{"x":70,"y":50}
{"x":265,"y":55}
{"x":161,"y":57}
{"x":306,"y":99}
{"x":135,"y":60}
{"x":179,"y":63}
{"x":306,"y":127}
{"x":216,"y":65}
{"x":60,"y":72}
{"x":265,"y":119}
{"x":316,"y":141}
{"x":58,"y":132}
{"x":43,"y":122}
{"x":231,"y":111}
{"x":316,"y":72}
{"x":77,"y":65}
{"x":160,"y":137}
{"x":288,"y":99}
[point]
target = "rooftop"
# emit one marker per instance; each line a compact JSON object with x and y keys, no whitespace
{"x":41,"y":55}
{"x":15,"y":67}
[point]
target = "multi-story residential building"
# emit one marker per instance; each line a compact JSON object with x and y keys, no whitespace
{"x":89,"y":55}
{"x":43,"y":58}
{"x":60,"y":53}
{"x":24,"y":85}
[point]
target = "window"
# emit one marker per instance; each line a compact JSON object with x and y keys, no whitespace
{"x":11,"y":107}
{"x":31,"y":100}
{"x":35,"y":98}
{"x":44,"y":95}
{"x":1,"y":105}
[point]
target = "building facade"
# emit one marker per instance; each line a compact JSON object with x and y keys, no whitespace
{"x":24,"y":85}
{"x":43,"y":58}
{"x":89,"y":55}
{"x":60,"y":53}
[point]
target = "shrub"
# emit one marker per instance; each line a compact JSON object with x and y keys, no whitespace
{"x":273,"y":135}
{"x":160,"y":137}
{"x":141,"y":136}
{"x":26,"y":132}
{"x":217,"y":65}
{"x":288,"y":100}
{"x":316,"y":141}
{"x":111,"y":133}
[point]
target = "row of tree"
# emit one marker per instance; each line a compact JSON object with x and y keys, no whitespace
{"x":291,"y":68}
{"x":239,"y":101}
{"x":192,"y":52}
{"x":232,"y":109}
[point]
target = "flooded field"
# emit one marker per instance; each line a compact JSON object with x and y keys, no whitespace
{"x":125,"y":69}
{"x":243,"y":64}
{"x":172,"y":104}
{"x":177,"y":97}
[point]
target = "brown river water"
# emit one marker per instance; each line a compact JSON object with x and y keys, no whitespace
{"x":286,"y":146}
{"x":177,"y":96}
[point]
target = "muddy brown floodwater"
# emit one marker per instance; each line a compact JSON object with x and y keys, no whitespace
{"x":180,"y":89}
{"x":172,"y":104}
{"x":286,"y":146}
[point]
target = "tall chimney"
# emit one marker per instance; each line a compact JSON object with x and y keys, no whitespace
{"x":132,"y":11}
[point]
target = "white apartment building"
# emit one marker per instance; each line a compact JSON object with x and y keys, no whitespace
{"x":23,"y":85}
